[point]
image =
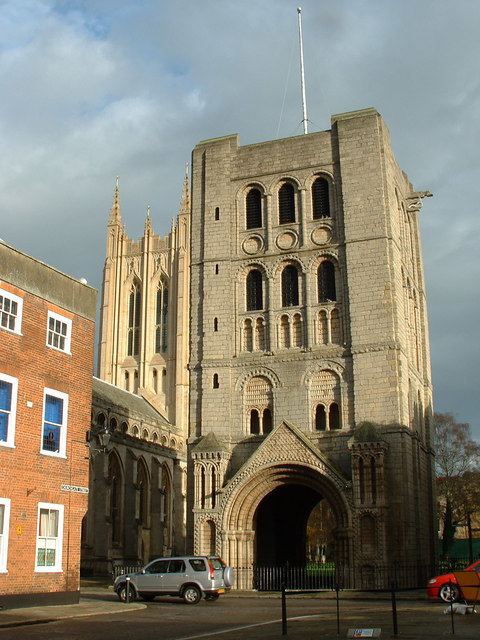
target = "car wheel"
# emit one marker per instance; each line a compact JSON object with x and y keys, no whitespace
{"x":191,"y":594}
{"x":212,"y":596}
{"x":122,"y":593}
{"x":448,"y":593}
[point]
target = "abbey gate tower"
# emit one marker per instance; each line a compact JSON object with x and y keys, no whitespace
{"x":295,"y":268}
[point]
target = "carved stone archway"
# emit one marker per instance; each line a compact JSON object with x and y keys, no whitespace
{"x":285,"y":458}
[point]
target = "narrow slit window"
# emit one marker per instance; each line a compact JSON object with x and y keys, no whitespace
{"x":217,"y":213}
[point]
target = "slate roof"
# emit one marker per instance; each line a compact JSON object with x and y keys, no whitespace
{"x":131,"y":403}
{"x":209,"y":443}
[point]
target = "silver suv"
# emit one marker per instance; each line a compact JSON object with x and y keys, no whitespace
{"x":190,"y":577}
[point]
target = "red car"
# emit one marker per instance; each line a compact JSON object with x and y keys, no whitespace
{"x":439,"y":586}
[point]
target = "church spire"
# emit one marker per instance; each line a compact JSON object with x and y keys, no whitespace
{"x":115,"y":213}
{"x":148,"y":222}
{"x":185,"y":200}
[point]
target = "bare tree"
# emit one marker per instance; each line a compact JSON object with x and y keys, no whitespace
{"x":458,"y":475}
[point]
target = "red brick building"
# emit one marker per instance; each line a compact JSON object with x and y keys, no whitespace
{"x":47,"y":326}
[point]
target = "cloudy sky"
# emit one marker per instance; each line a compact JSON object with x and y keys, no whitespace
{"x":97,"y":88}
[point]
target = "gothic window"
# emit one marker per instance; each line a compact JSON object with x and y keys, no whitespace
{"x":134,"y":311}
{"x":260,"y":334}
{"x":161,"y":319}
{"x":267,"y":420}
{"x":286,"y":203}
{"x":297,"y":330}
{"x":290,"y":286}
{"x":115,"y":502}
{"x":142,"y":495}
{"x":361,"y":479}
{"x":320,"y":199}
{"x":254,"y":290}
{"x":216,"y":384}
{"x":254,"y":422}
{"x":320,"y":418}
{"x":334,"y":416}
{"x":326,"y":282}
{"x":247,"y":335}
{"x":254,"y":209}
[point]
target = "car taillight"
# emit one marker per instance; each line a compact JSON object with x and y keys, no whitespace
{"x":211,"y":570}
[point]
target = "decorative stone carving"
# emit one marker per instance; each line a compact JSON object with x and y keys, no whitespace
{"x":252,"y":245}
{"x":321,"y":235}
{"x":286,"y":240}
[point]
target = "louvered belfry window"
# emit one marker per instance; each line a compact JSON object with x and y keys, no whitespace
{"x":290,"y":286}
{"x":326,"y":282}
{"x":320,"y":199}
{"x":286,"y":203}
{"x":254,"y":209}
{"x":254,"y":291}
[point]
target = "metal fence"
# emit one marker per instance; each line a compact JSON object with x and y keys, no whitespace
{"x":120,"y":569}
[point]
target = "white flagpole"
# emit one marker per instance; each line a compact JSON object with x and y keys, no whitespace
{"x":302,"y":72}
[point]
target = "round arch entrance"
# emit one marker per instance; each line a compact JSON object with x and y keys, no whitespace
{"x":266,"y":515}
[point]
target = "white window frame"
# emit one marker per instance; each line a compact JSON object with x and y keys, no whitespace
{"x":68,"y":336}
{"x":10,"y":441}
{"x":57,"y":567}
{"x":61,"y":453}
{"x":5,"y":502}
{"x":18,"y":318}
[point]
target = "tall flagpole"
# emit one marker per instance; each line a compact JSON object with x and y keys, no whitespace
{"x":302,"y":72}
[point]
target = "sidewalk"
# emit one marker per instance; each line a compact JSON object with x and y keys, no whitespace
{"x":89,"y":605}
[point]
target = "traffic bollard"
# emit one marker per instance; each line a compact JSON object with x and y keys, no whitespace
{"x":127,"y":598}
{"x":394,"y":611}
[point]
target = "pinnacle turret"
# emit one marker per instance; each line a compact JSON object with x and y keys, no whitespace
{"x":185,"y":200}
{"x":148,"y":222}
{"x":115,"y":213}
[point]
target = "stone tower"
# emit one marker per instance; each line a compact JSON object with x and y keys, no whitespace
{"x":144,"y":314}
{"x":309,"y":356}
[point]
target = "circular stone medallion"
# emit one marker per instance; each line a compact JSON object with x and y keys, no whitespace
{"x":321,"y":235}
{"x":286,"y":240}
{"x":252,"y":245}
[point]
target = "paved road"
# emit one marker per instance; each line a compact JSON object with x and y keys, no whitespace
{"x":235,"y":618}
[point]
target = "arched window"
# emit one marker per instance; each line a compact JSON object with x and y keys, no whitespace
{"x":290,"y":286}
{"x":161,"y":319}
{"x":320,"y":199}
{"x":254,"y":422}
{"x":134,"y":310}
{"x":286,"y":203}
{"x":115,"y":503}
{"x":267,"y":420}
{"x":284,"y":338}
{"x":326,"y":282}
{"x":297,"y":331}
{"x":254,"y":209}
{"x":247,"y":335}
{"x":142,"y":488}
{"x":113,"y":424}
{"x":260,"y":334}
{"x":334,"y":416}
{"x":215,"y":381}
{"x":254,"y":290}
{"x":320,"y":418}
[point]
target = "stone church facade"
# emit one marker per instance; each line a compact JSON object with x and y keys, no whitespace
{"x":294,"y":356}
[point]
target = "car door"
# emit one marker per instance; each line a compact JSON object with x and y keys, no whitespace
{"x":151,"y":581}
{"x":175,"y":577}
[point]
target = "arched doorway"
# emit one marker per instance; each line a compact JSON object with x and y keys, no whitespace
{"x":280,"y":525}
{"x":265,"y":517}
